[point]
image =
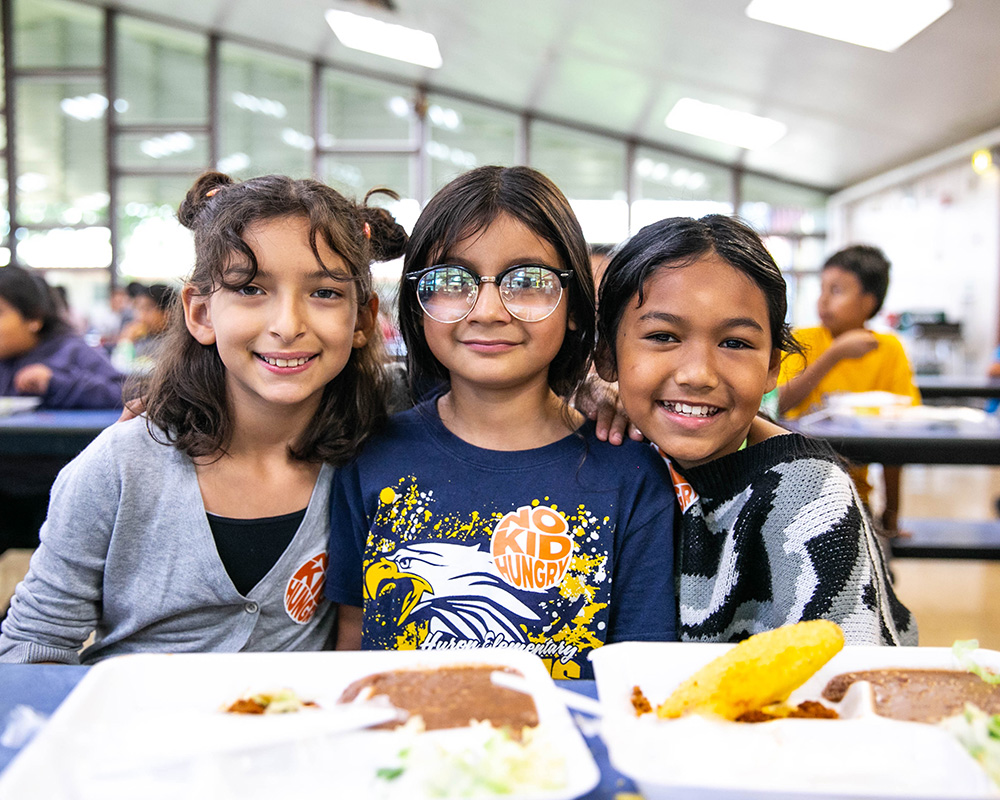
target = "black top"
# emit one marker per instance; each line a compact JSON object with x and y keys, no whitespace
{"x":250,"y":547}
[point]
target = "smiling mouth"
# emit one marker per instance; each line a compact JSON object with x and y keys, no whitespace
{"x":285,"y":362}
{"x":689,"y":410}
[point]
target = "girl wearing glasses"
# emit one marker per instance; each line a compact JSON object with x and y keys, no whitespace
{"x":490,"y":514}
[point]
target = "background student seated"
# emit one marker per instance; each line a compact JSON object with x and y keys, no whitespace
{"x":843,"y":355}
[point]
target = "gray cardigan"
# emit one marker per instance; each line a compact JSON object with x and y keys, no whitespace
{"x":126,"y":552}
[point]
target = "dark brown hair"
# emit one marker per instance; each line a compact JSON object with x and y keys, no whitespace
{"x":32,"y":298}
{"x":467,"y":206}
{"x":869,"y":264}
{"x":186,"y":395}
{"x":678,"y":242}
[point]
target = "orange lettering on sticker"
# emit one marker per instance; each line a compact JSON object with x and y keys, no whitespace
{"x":531,"y":547}
{"x":305,"y":588}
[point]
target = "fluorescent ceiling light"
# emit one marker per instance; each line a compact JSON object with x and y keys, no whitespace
{"x":385,"y":39}
{"x":724,"y":124}
{"x":880,"y":24}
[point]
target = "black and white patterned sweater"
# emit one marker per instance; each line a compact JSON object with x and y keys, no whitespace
{"x":774,"y":534}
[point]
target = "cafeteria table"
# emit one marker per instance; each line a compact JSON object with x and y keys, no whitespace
{"x":57,"y":433}
{"x":864,"y":440}
{"x":867,"y":441}
{"x":935,"y":387}
{"x":42,"y":687}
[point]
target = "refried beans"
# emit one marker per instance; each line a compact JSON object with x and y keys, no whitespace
{"x":450,"y":697}
{"x":919,"y":695}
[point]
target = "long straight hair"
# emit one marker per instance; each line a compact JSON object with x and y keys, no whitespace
{"x":467,"y":206}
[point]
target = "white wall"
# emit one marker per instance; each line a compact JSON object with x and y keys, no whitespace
{"x":939,"y":225}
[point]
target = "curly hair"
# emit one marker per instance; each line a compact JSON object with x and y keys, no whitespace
{"x":186,"y":393}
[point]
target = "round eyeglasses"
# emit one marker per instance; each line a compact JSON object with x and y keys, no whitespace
{"x":529,"y":292}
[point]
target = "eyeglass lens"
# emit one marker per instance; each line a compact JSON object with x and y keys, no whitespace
{"x":529,"y":293}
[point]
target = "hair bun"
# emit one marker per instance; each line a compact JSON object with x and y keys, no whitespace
{"x":388,"y":238}
{"x":199,"y":195}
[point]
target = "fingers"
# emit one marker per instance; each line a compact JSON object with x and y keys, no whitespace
{"x":133,"y":408}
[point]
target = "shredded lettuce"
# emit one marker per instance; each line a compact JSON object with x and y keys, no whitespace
{"x":963,"y":650}
{"x":490,"y":762}
{"x":979,"y":733}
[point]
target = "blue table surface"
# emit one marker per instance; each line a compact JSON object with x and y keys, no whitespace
{"x":43,"y":687}
{"x":82,"y":419}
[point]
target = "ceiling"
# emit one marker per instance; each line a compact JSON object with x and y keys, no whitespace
{"x":619,"y":66}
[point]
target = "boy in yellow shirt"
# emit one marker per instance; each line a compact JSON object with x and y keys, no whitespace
{"x":842,"y":355}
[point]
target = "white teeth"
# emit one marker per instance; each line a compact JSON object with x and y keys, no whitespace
{"x":691,"y":411}
{"x":285,"y":362}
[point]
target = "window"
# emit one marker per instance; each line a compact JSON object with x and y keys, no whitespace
{"x":162,"y":75}
{"x":461,"y":136}
{"x":55,"y":33}
{"x":668,"y":185}
{"x":359,"y":110}
{"x":792,"y":220}
{"x":591,"y":172}
{"x":60,"y":177}
{"x":264,"y":114}
{"x":154,"y":245}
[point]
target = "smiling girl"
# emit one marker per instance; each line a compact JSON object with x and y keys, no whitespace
{"x":490,"y":514}
{"x":772,"y":530}
{"x":203,"y":526}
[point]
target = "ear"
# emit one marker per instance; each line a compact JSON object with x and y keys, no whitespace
{"x":571,"y":323}
{"x":773,"y":368}
{"x":34,"y":325}
{"x":604,"y":362}
{"x":364,"y":326}
{"x":869,"y":302}
{"x":198,"y":315}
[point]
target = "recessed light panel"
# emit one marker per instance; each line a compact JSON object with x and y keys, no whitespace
{"x":880,"y":24}
{"x":724,"y":124}
{"x":385,"y":39}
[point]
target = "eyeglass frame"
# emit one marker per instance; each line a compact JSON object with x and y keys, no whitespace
{"x":562,"y":274}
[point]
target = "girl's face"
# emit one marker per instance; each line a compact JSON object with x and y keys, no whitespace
{"x":17,"y":334}
{"x":490,"y":348}
{"x":286,"y":335}
{"x":695,"y":359}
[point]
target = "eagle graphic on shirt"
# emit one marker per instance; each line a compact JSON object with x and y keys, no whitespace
{"x":532,"y":577}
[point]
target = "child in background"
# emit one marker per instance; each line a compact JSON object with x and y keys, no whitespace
{"x":771,"y":529}
{"x":842,"y":355}
{"x":203,"y":527}
{"x":39,"y":354}
{"x":151,"y":310}
{"x":490,"y":515}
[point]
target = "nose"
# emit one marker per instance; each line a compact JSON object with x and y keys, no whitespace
{"x":488,"y":306}
{"x":696,"y":368}
{"x":288,"y":318}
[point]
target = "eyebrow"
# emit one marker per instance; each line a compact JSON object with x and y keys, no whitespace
{"x":673,"y":319}
{"x":318,"y":275}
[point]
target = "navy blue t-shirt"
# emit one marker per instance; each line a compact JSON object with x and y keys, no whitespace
{"x":555,"y":550}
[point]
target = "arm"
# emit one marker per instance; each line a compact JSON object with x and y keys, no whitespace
{"x":852,"y":344}
{"x":84,"y":379}
{"x":348,"y":531}
{"x":643,"y":601}
{"x":58,"y":604}
{"x":832,"y":546}
{"x":349,"y":627}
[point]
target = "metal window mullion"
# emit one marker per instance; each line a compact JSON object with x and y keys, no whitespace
{"x":214,"y":128}
{"x":111,"y":141}
{"x":317,"y":108}
{"x":6,"y":19}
